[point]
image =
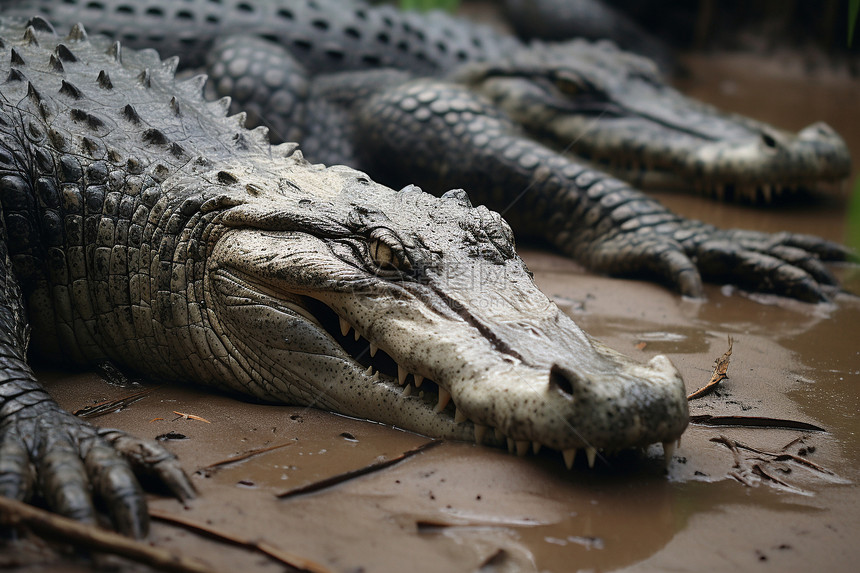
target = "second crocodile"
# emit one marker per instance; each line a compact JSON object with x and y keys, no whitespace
{"x":606,"y":106}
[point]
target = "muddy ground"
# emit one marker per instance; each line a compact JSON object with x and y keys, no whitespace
{"x":462,"y":508}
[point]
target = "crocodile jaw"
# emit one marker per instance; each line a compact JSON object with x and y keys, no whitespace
{"x":757,"y":165}
{"x":503,"y":357}
{"x":615,"y":112}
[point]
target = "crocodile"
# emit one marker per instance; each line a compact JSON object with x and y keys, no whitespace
{"x":559,"y":20}
{"x":143,"y":226}
{"x":609,"y":108}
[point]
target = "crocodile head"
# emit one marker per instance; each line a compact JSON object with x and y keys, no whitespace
{"x":415,"y":311}
{"x":611,"y":108}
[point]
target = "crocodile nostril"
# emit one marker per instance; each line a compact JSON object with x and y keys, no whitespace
{"x":768,"y":140}
{"x":562,"y":380}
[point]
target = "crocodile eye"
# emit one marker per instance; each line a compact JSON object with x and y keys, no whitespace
{"x":568,"y":85}
{"x":382,"y":254}
{"x":387,"y":252}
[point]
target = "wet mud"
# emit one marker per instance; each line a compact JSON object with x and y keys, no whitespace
{"x":759,"y":499}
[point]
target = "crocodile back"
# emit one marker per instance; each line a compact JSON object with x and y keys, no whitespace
{"x":89,"y":132}
{"x":325,"y":35}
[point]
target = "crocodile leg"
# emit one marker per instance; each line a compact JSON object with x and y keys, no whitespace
{"x":45,"y":451}
{"x":263,"y":80}
{"x":443,"y":135}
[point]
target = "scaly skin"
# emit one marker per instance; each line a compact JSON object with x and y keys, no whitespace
{"x":606,"y":106}
{"x":610,"y":108}
{"x":141,"y":226}
{"x":443,"y":135}
{"x":559,"y":20}
{"x":326,"y":35}
{"x":597,"y":220}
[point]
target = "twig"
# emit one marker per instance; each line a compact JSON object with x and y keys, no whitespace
{"x":207,"y":471}
{"x":285,"y":557}
{"x":721,"y":367}
{"x":739,"y":476}
{"x":777,"y":456}
{"x":792,"y":442}
{"x":18,"y":514}
{"x":109,"y":406}
{"x":185,"y":416}
{"x":345,"y":476}
{"x":754,"y":422}
{"x":494,"y":561}
{"x":760,"y":470}
{"x":803,"y":462}
{"x":748,"y":473}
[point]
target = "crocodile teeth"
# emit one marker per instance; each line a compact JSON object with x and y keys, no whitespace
{"x":480,"y":432}
{"x":569,"y":456}
{"x":373,"y":349}
{"x":668,"y":450}
{"x":369,"y":371}
{"x":376,"y":376}
{"x":344,"y":327}
{"x":419,"y":380}
{"x":536,"y":447}
{"x":407,"y":390}
{"x":357,"y":336}
{"x":511,"y":445}
{"x":401,"y":374}
{"x":522,"y":447}
{"x":590,"y":453}
{"x":444,"y":398}
{"x":459,"y":416}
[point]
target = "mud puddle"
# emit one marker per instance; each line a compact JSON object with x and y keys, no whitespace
{"x":457,"y":507}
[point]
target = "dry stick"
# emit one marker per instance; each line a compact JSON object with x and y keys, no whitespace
{"x":207,"y":471}
{"x":760,"y":470}
{"x":721,"y":366}
{"x":18,"y":514}
{"x":285,"y":557}
{"x":109,"y":406}
{"x":186,"y":416}
{"x":742,"y":471}
{"x":494,"y":561}
{"x":780,"y":457}
{"x":792,"y":442}
{"x":740,"y":477}
{"x":372,"y":467}
{"x":754,"y":422}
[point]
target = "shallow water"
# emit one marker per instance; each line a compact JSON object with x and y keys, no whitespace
{"x":459,"y":507}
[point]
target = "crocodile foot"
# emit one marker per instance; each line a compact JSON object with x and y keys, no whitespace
{"x":682,"y":253}
{"x":48,"y":454}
